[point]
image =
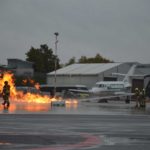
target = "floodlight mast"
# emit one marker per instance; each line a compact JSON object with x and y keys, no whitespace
{"x":55,"y":81}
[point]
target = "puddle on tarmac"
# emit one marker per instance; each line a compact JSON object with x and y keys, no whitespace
{"x":106,"y":140}
{"x":81,"y":108}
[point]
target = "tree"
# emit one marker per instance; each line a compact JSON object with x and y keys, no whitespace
{"x":83,"y":59}
{"x":97,"y":59}
{"x":43,"y":59}
{"x":71,"y":61}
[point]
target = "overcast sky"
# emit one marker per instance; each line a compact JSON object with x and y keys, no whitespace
{"x":117,"y":29}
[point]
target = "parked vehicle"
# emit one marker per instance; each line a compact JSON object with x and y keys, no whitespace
{"x":64,"y":90}
{"x":26,"y":89}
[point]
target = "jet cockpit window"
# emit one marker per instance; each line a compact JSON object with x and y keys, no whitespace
{"x":101,"y":85}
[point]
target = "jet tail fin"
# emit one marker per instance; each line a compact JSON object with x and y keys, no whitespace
{"x":127,"y":76}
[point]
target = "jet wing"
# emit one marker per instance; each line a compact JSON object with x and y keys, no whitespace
{"x":120,"y":96}
{"x":87,"y":96}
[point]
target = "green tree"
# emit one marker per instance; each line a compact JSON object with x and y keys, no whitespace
{"x":97,"y":59}
{"x":71,"y":61}
{"x":43,"y":59}
{"x":83,"y":59}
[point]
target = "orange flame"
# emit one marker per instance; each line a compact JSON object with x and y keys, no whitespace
{"x":32,"y":82}
{"x":20,"y":96}
{"x":24,"y":81}
{"x":7,"y":77}
{"x":37,"y":86}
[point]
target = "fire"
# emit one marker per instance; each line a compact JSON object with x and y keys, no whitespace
{"x":24,"y":81}
{"x":20,"y":96}
{"x":31,"y":82}
{"x":37,"y":86}
{"x":7,"y":77}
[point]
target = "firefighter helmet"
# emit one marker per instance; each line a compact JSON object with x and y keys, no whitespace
{"x":6,"y":82}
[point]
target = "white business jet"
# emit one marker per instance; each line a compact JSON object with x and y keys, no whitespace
{"x":110,"y":89}
{"x":114,"y":89}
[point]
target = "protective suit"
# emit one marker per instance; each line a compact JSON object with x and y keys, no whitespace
{"x":6,"y":94}
{"x":137,"y":96}
{"x":142,"y":98}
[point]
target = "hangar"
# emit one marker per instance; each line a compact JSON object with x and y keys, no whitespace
{"x":88,"y":74}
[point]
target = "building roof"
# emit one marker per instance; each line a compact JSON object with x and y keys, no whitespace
{"x":85,"y":69}
{"x":19,"y":60}
{"x":3,"y":66}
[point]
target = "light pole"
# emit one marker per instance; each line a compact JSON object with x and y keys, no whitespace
{"x":56,"y":41}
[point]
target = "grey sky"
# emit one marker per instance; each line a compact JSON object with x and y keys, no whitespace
{"x":117,"y":29}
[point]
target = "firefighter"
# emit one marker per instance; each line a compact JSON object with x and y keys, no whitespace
{"x":142,"y":98}
{"x":137,"y":95}
{"x":6,"y":94}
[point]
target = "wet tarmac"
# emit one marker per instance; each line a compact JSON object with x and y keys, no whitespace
{"x":88,"y":108}
{"x":86,"y":126}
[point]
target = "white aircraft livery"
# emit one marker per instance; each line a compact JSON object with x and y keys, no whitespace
{"x":114,"y":87}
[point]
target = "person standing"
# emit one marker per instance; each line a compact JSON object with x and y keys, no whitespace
{"x":142,"y":98}
{"x":137,"y":96}
{"x":6,"y":94}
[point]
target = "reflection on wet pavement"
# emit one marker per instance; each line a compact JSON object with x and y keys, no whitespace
{"x":110,"y":108}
